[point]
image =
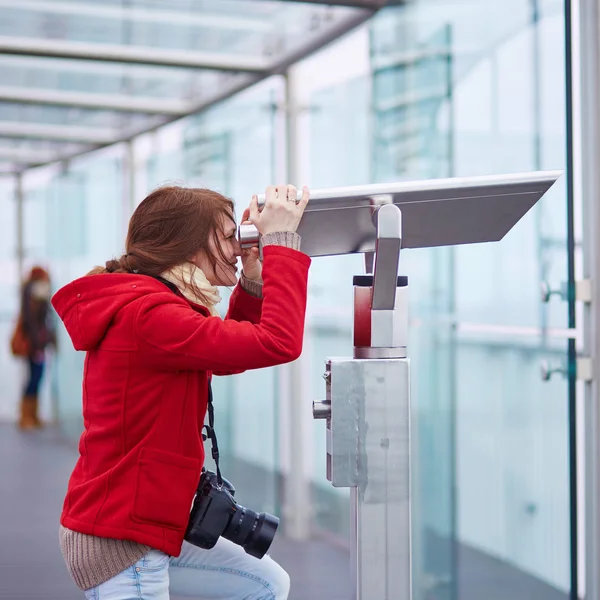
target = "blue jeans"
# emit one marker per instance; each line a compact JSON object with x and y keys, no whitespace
{"x":224,"y":573}
{"x":36,"y":371}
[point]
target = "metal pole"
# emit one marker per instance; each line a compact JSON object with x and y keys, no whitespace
{"x":128,"y":202}
{"x":130,"y":175}
{"x":20,"y":246}
{"x":589,"y":154}
{"x":574,"y":471}
{"x":297,"y":502}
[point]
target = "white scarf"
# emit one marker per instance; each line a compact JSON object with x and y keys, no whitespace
{"x":182,"y":276}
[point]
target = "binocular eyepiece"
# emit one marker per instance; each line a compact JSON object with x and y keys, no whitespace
{"x":248,"y":235}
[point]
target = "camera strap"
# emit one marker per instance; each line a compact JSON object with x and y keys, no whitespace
{"x":210,"y":433}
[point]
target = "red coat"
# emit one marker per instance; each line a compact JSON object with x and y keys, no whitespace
{"x":145,"y":389}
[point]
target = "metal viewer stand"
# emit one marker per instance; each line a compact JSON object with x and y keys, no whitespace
{"x":367,"y":399}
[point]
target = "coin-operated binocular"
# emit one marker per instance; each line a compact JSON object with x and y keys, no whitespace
{"x":367,"y":396}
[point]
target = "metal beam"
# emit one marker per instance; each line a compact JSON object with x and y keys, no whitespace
{"x":25,"y":156}
{"x":370,"y":4}
{"x":121,"y":103}
{"x":207,"y":20}
{"x":67,"y":133}
{"x":140,"y":55}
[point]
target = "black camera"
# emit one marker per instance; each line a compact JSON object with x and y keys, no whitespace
{"x":215,"y":513}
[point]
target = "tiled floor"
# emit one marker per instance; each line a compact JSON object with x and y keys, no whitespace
{"x":34,"y":469}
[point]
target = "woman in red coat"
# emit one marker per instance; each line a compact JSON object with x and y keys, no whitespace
{"x":153,"y":339}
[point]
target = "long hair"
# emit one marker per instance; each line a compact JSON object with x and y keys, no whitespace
{"x":170,"y":226}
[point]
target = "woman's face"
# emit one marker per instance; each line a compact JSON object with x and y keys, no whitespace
{"x":225,"y":271}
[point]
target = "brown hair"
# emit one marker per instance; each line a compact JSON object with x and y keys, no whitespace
{"x":170,"y":226}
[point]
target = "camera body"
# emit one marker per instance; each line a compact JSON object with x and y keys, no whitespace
{"x":215,"y":513}
{"x":212,"y":509}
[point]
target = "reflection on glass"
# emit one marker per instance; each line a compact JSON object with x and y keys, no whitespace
{"x":234,"y":27}
{"x":458,"y":89}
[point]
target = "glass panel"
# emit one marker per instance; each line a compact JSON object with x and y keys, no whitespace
{"x":512,"y":451}
{"x":491,"y":129}
{"x":235,"y":27}
{"x":465,"y":88}
{"x":357,"y":151}
{"x":72,"y":223}
{"x":232,"y":32}
{"x":482,"y":425}
{"x":330,"y":295}
{"x":105,"y":78}
{"x":10,"y":373}
{"x":58,"y":115}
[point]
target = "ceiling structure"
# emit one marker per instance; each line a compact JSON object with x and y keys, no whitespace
{"x":76,"y":75}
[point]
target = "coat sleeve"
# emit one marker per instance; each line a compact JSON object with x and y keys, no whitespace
{"x":242,"y":307}
{"x":171,"y":336}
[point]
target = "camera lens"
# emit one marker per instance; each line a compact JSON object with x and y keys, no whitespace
{"x":253,"y":531}
{"x":263,"y":535}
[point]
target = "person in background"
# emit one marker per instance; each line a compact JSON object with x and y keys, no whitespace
{"x":36,"y":334}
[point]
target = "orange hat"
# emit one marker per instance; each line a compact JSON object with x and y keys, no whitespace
{"x":39,"y":273}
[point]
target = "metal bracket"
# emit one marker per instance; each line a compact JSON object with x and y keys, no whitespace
{"x":583,"y":369}
{"x":546,"y":371}
{"x":369,"y":262}
{"x":583,"y":291}
{"x":387,"y":257}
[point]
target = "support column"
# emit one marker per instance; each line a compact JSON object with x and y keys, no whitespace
{"x":129,"y":192}
{"x":20,"y":226}
{"x":585,"y":33}
{"x":297,"y":501}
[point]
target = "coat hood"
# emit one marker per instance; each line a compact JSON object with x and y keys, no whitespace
{"x":88,"y":305}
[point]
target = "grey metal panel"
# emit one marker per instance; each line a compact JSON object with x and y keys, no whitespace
{"x":370,"y":450}
{"x":438,"y":212}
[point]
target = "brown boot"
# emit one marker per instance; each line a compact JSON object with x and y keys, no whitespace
{"x":34,"y":413}
{"x":28,"y":407}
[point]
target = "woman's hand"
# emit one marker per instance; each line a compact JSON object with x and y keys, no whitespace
{"x":280,"y":212}
{"x":251,"y":265}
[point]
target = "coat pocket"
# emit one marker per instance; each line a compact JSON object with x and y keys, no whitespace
{"x":165,"y":488}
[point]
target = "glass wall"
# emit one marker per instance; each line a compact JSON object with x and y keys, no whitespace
{"x":76,"y":219}
{"x":10,"y":369}
{"x":73,"y":222}
{"x":434,"y":88}
{"x":461,"y":89}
